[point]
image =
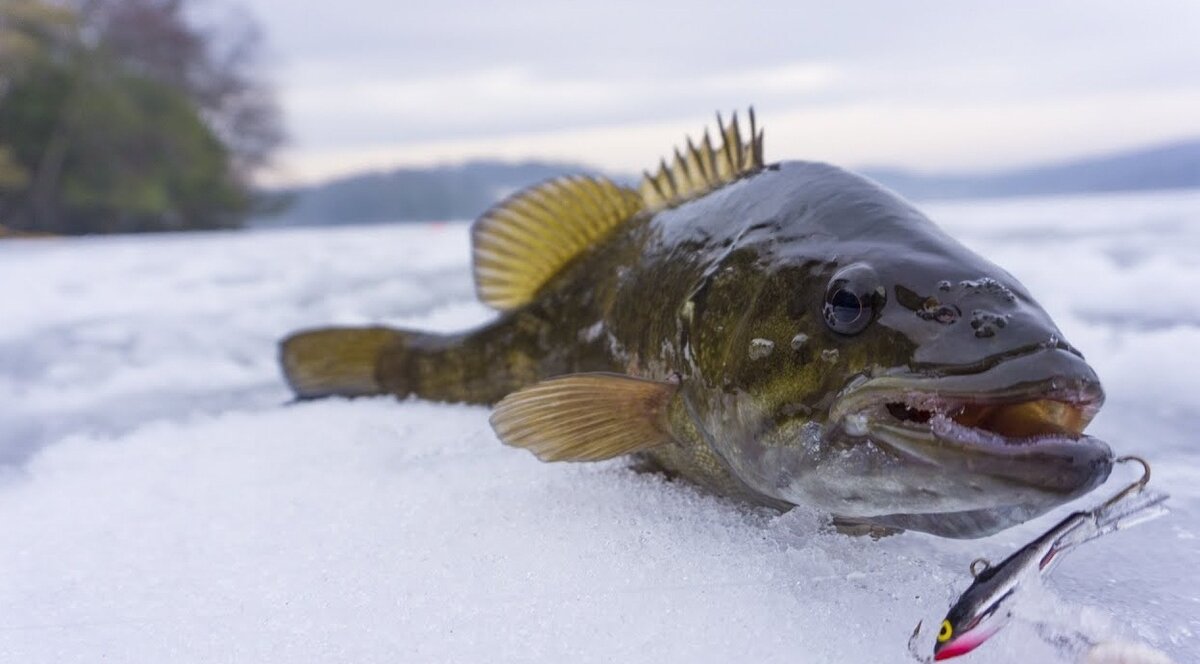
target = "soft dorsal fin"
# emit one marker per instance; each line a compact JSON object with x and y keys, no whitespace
{"x":701,"y":168}
{"x":524,"y":240}
{"x":586,"y":416}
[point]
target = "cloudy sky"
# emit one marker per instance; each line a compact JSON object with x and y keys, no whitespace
{"x":369,"y":84}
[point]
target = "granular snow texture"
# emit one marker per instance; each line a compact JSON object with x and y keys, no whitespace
{"x":161,"y":500}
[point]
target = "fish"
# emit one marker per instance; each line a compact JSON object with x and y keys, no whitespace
{"x":785,"y":333}
{"x":987,"y":605}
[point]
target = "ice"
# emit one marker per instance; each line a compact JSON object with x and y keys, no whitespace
{"x":162,"y":501}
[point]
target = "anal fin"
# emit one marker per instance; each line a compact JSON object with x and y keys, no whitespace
{"x":586,"y":416}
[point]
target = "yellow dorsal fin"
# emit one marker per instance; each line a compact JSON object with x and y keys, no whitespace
{"x":700,"y":168}
{"x":586,"y":416}
{"x":524,"y":240}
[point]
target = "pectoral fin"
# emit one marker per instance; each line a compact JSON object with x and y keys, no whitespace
{"x":586,"y":417}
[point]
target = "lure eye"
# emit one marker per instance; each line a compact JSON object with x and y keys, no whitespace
{"x":851,"y":299}
{"x":945,"y":632}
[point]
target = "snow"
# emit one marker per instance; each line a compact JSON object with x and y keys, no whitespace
{"x":162,"y":501}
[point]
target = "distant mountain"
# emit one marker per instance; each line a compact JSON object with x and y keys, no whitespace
{"x":1172,"y":166}
{"x":411,"y":194}
{"x":465,"y":191}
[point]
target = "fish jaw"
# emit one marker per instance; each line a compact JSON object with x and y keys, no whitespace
{"x":1000,"y":446}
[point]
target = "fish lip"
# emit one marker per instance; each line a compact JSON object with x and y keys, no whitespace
{"x":1060,"y":465}
{"x":1048,"y":374}
{"x":1044,"y":374}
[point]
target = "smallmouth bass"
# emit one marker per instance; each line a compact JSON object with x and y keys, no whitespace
{"x":785,"y":333}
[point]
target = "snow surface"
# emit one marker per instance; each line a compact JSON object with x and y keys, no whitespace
{"x":161,"y":501}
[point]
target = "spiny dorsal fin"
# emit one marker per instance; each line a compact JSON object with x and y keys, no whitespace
{"x":586,"y":416}
{"x":700,"y":168}
{"x":524,"y":240}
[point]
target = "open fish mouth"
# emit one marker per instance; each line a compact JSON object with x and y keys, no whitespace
{"x":1020,"y":422}
{"x":1011,"y":423}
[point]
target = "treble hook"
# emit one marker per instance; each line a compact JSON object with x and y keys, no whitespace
{"x":1132,"y":488}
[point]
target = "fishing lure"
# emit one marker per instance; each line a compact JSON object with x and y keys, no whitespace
{"x":986,"y":606}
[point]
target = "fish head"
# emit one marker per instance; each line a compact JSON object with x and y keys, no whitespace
{"x":982,"y":419}
{"x":873,"y":366}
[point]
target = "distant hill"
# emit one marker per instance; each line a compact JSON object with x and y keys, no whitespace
{"x":411,"y":194}
{"x":1172,"y":166}
{"x":464,"y":191}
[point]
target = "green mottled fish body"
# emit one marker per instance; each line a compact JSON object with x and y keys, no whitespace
{"x":785,"y":334}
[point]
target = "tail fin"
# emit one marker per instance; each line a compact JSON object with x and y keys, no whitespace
{"x":335,"y":361}
{"x":1131,"y":511}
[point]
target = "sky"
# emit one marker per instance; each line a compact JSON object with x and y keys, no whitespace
{"x":932,"y":86}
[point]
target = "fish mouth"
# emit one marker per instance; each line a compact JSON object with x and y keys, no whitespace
{"x":1019,"y":423}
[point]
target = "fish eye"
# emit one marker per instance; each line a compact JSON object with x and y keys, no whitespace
{"x":945,"y":632}
{"x":850,"y":299}
{"x":844,"y":308}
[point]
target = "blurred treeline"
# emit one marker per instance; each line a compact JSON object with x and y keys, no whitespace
{"x":125,"y":116}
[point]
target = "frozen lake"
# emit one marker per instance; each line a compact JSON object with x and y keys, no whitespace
{"x":161,"y":502}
